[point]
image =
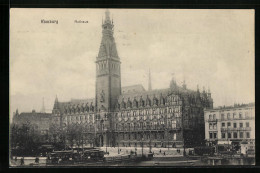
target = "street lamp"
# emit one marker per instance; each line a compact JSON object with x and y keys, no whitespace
{"x":106,"y":145}
{"x":150,"y":144}
{"x":142,"y":147}
{"x":118,"y":148}
{"x":118,"y":142}
{"x":168,"y":137}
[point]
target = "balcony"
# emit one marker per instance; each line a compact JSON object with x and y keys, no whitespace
{"x":211,"y":120}
{"x":237,"y":118}
{"x":144,"y":129}
{"x":236,"y":129}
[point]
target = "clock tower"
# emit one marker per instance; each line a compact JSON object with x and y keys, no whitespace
{"x":108,"y":75}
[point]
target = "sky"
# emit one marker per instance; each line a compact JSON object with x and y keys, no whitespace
{"x":211,"y":48}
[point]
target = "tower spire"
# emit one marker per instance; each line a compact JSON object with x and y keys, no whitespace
{"x":107,"y":13}
{"x":149,"y":82}
{"x":56,"y":102}
{"x":43,"y":107}
{"x":108,"y":45}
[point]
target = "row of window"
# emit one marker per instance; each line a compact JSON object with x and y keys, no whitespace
{"x":228,"y":116}
{"x":144,"y":137}
{"x":235,"y":116}
{"x":235,"y":125}
{"x":235,"y":135}
{"x":228,"y":124}
{"x":82,"y":117}
{"x":81,"y":109}
{"x":229,"y":135}
{"x":149,"y":117}
{"x":150,"y":111}
{"x":143,"y":126}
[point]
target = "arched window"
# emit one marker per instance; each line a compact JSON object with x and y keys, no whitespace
{"x":240,"y":115}
{"x":234,"y":115}
{"x":228,"y":116}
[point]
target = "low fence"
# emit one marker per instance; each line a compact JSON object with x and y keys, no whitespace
{"x":28,"y":161}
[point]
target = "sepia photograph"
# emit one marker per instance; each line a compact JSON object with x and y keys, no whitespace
{"x":131,"y":87}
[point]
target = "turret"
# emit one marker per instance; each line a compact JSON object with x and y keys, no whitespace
{"x":184,"y":86}
{"x":56,"y":106}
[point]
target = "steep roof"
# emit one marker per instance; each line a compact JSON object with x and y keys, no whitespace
{"x":75,"y":104}
{"x":140,"y":91}
{"x":133,"y":89}
{"x":30,"y":116}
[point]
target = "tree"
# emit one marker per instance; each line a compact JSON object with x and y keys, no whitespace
{"x":71,"y":134}
{"x":14,"y":138}
{"x":57,"y":136}
{"x":25,"y":138}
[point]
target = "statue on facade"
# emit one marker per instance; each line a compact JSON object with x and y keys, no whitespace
{"x":135,"y":102}
{"x":141,"y":101}
{"x":148,"y":102}
{"x":102,"y":96}
{"x":154,"y":100}
{"x":129,"y":103}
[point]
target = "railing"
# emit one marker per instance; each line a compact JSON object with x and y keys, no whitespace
{"x":147,"y":129}
{"x":236,"y":129}
{"x":211,"y":120}
{"x":237,"y":118}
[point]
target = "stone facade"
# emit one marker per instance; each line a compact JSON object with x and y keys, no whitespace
{"x":230,"y":126}
{"x":132,"y":116}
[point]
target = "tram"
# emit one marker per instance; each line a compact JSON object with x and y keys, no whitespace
{"x":76,"y":155}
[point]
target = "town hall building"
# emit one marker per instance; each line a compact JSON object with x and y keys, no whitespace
{"x":132,"y":116}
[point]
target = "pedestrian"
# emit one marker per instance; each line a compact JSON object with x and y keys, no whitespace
{"x":36,"y":160}
{"x":22,"y":161}
{"x":15,"y":159}
{"x":164,"y":153}
{"x":160,"y":150}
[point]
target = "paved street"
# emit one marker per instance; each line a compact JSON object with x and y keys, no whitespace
{"x":158,"y":152}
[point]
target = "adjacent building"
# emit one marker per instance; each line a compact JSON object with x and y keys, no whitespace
{"x":132,"y":116}
{"x":231,"y":127}
{"x":38,"y":122}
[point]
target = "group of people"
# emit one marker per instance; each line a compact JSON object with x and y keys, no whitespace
{"x":22,"y":160}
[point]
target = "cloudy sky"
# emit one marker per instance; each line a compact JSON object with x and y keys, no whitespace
{"x":212,"y":48}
